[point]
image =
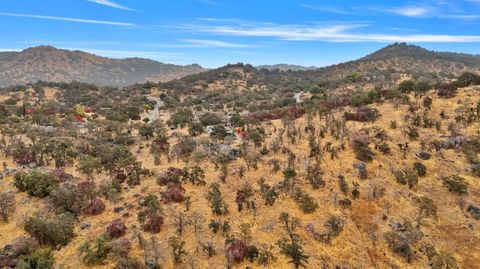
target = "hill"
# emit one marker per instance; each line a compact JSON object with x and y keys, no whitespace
{"x":285,"y":67}
{"x":383,"y":68}
{"x":50,"y":64}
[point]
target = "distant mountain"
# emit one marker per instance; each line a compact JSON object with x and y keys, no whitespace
{"x":58,"y":65}
{"x":383,"y":68}
{"x":285,"y":67}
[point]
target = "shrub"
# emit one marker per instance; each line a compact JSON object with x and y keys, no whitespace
{"x":215,"y":198}
{"x":23,"y":245}
{"x":384,"y":148}
{"x":243,"y":197}
{"x":174,"y":193}
{"x":7,"y":205}
{"x":406,"y":177}
{"x":178,"y":248}
{"x":363,"y":114}
{"x":399,"y":244}
{"x":269,"y":193}
{"x":406,"y":86}
{"x":314,"y":177}
{"x":95,"y":207}
{"x":116,"y":229}
{"x":420,"y":168}
{"x":56,"y":230}
{"x":334,"y":226}
{"x":362,"y":99}
{"x":362,"y":151}
{"x":35,"y":183}
{"x":294,"y":252}
{"x":236,"y":251}
{"x":38,"y":259}
{"x":196,"y":176}
{"x":305,"y":201}
{"x":342,"y":184}
{"x":456,"y":184}
{"x":67,"y":198}
{"x":150,"y":217}
{"x":171,"y":175}
{"x":467,"y":79}
{"x":412,"y":133}
{"x":474,"y":211}
{"x":447,"y":90}
{"x":95,"y":254}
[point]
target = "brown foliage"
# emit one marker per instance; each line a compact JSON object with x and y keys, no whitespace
{"x":116,"y":229}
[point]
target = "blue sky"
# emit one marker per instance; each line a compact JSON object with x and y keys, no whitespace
{"x":216,"y":32}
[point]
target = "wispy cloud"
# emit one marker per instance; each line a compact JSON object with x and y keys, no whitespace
{"x":109,"y":3}
{"x":410,"y":11}
{"x":328,"y":9}
{"x":433,"y":9}
{"x":43,"y":17}
{"x":214,"y":43}
{"x":328,"y":33}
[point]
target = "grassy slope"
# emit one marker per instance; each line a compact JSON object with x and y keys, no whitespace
{"x":449,"y":232}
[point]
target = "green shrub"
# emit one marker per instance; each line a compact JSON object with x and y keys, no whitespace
{"x":56,"y":230}
{"x":362,"y":99}
{"x":35,"y":183}
{"x":98,"y":253}
{"x":456,"y":184}
{"x":420,"y":168}
{"x":406,"y":177}
{"x":466,"y":79}
{"x":362,"y":151}
{"x":38,"y":259}
{"x":305,"y":201}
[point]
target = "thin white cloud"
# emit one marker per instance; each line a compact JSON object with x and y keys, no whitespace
{"x":43,"y":17}
{"x":109,"y":3}
{"x":9,"y":50}
{"x":328,"y":9}
{"x":410,"y":11}
{"x":214,"y":43}
{"x":333,"y":33}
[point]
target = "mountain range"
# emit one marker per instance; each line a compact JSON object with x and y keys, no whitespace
{"x":50,"y":64}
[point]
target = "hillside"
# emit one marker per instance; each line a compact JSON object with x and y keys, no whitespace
{"x":383,"y":68}
{"x":57,"y":65}
{"x":390,"y":185}
{"x":285,"y":67}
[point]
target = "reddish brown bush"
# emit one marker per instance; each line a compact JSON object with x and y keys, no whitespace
{"x":241,"y":197}
{"x":96,"y":207}
{"x":7,"y":261}
{"x":447,"y":90}
{"x":119,"y":175}
{"x":341,"y":101}
{"x":237,"y":251}
{"x":363,"y":114}
{"x":153,"y":224}
{"x":24,"y":158}
{"x":61,"y":175}
{"x":291,"y":112}
{"x":174,"y":193}
{"x":171,"y":175}
{"x":116,"y":229}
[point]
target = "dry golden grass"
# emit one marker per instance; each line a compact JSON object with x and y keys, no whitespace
{"x":368,"y":218}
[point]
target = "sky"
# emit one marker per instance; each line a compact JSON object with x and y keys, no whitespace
{"x":217,"y":32}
